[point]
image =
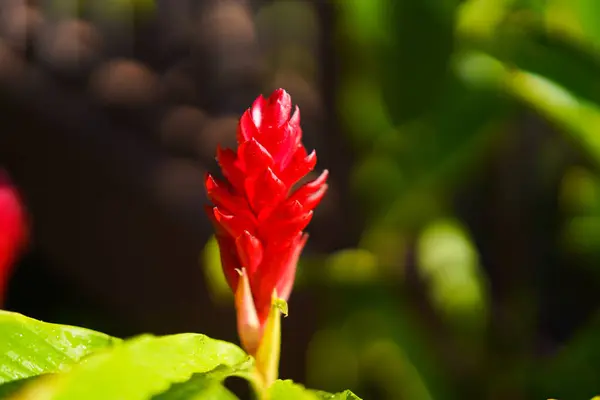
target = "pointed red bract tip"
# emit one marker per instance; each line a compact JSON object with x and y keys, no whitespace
{"x":258,"y":220}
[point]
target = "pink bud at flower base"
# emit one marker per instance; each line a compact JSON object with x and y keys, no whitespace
{"x":13,"y":229}
{"x":259,"y":220}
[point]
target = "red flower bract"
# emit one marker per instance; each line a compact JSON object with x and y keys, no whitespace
{"x":13,"y":229}
{"x":259,"y":220}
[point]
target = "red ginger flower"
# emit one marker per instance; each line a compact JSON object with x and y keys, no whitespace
{"x":259,"y":220}
{"x":13,"y":229}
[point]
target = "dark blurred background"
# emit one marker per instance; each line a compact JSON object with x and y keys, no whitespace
{"x":456,"y":254}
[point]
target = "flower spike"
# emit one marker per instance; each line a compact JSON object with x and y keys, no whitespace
{"x":258,"y":219}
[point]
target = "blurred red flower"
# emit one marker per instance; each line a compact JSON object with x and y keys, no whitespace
{"x":258,"y":218}
{"x":13,"y":229}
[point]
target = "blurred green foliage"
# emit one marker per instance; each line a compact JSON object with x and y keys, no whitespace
{"x":428,"y":92}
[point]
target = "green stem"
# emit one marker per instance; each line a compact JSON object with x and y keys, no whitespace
{"x":267,"y":355}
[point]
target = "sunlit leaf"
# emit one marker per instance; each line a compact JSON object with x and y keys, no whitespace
{"x":208,"y":385}
{"x":288,"y":390}
{"x":142,"y":367}
{"x":29,"y":347}
{"x":345,"y":395}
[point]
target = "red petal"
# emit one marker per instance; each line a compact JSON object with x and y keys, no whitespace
{"x":219,"y":230}
{"x":288,"y":210}
{"x":222,"y":197}
{"x":250,"y":251}
{"x":279,"y":232}
{"x":264,"y":190}
{"x":254,"y":157}
{"x":277,"y":271}
{"x":270,"y":138}
{"x":294,"y":126}
{"x":291,"y":141}
{"x":246,"y":128}
{"x":312,"y":192}
{"x":314,"y":185}
{"x":296,"y":224}
{"x":228,"y":161}
{"x":288,"y":273}
{"x":309,"y":198}
{"x":234,"y":225}
{"x":300,"y":165}
{"x":257,"y":110}
{"x":278,"y":108}
{"x":229,"y":260}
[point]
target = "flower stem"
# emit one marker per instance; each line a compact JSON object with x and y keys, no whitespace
{"x":267,"y":356}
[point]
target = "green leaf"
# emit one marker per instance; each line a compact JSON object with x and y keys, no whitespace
{"x":45,"y":361}
{"x":288,"y":390}
{"x":208,"y":385}
{"x":146,"y":366}
{"x":29,"y":347}
{"x":204,"y":389}
{"x":8,"y":389}
{"x":345,"y":395}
